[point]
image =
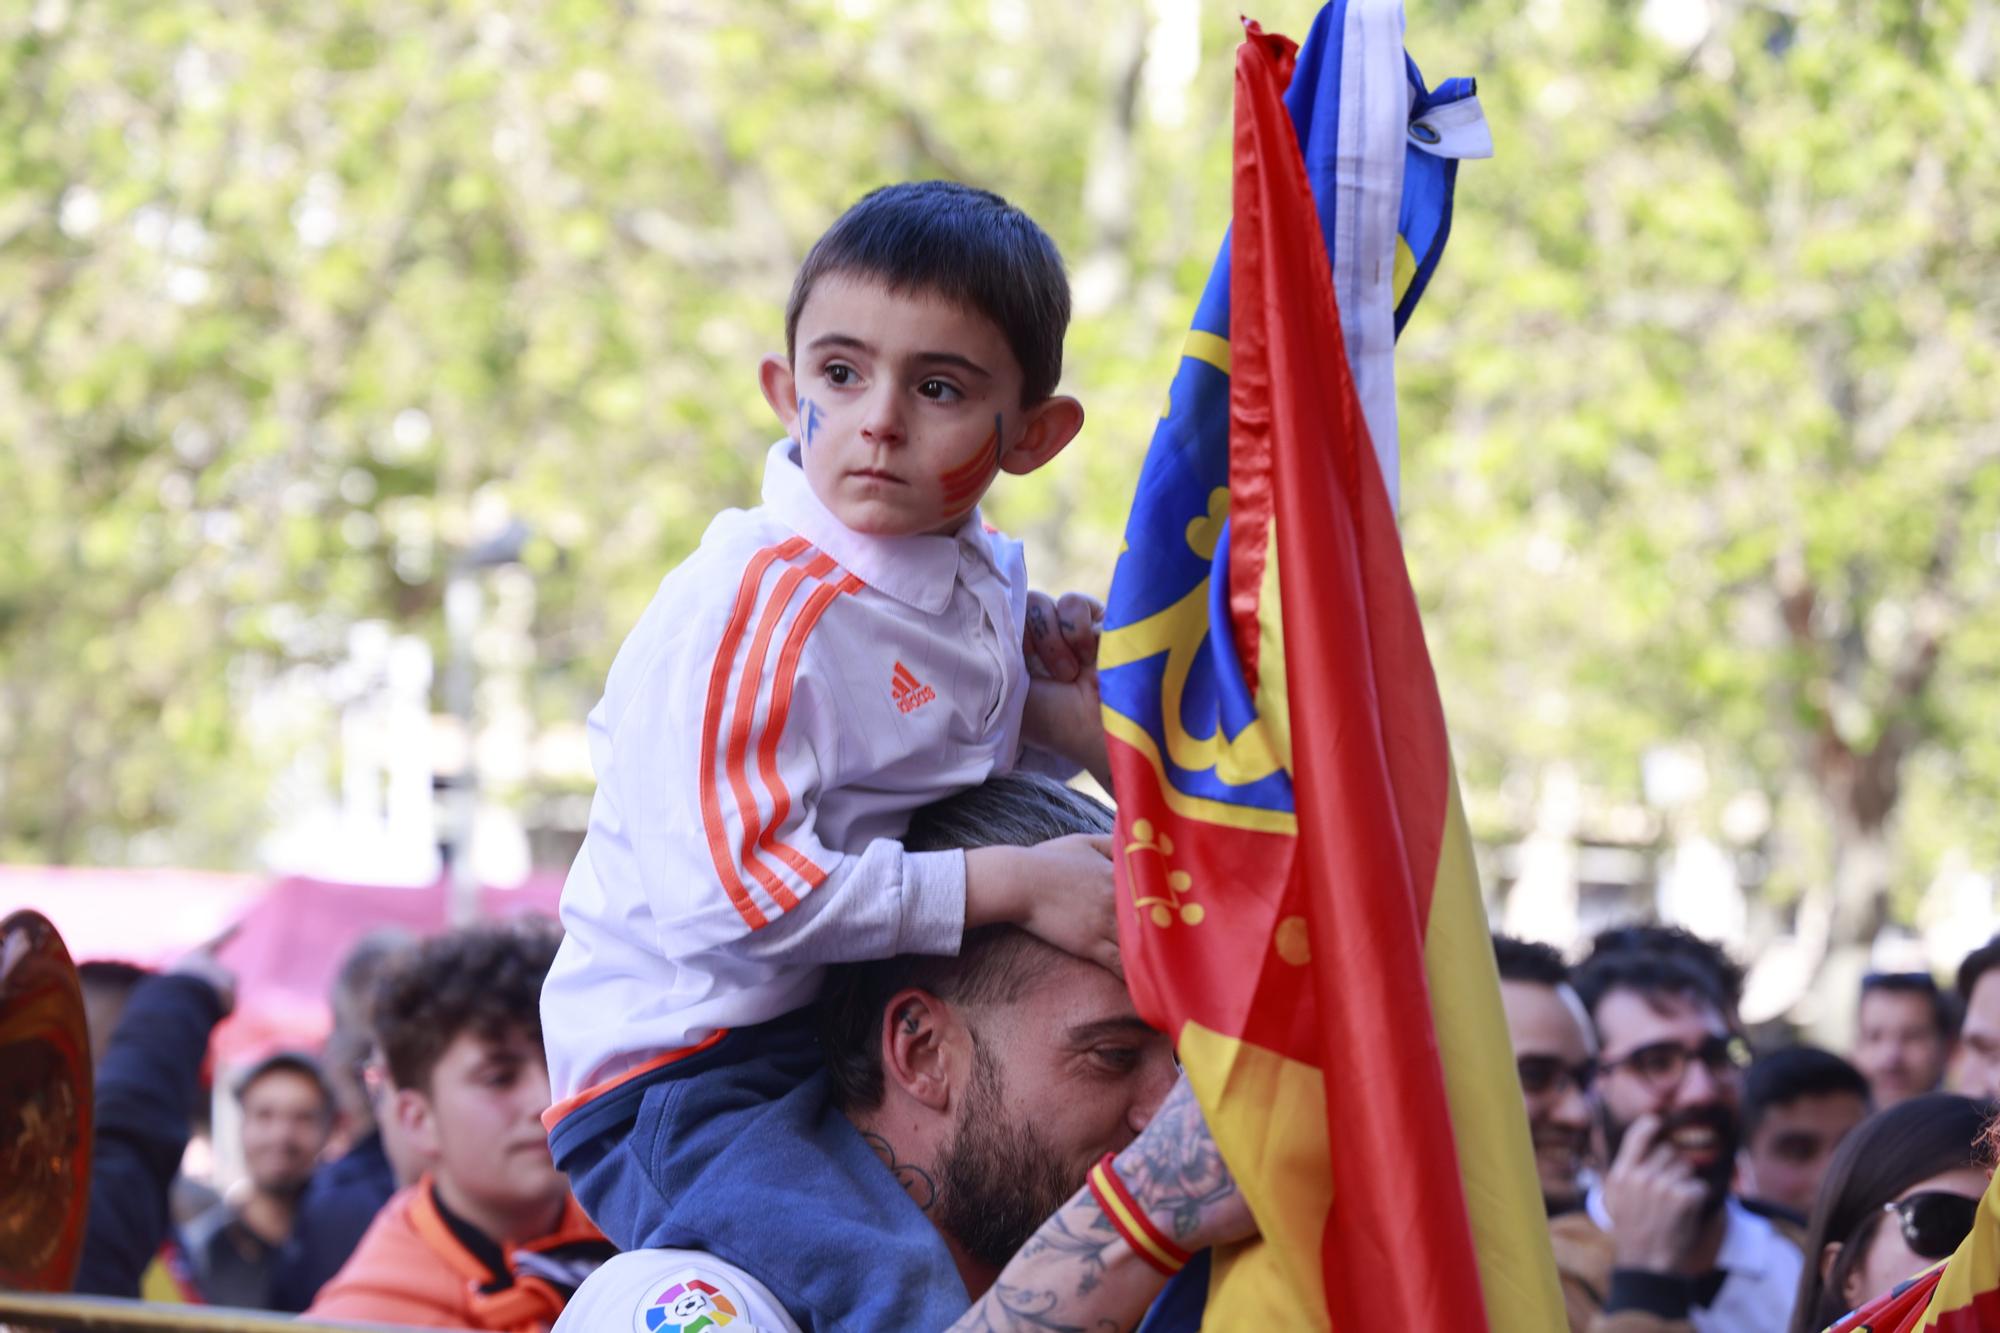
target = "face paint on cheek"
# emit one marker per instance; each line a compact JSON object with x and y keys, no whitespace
{"x":967,"y":479}
{"x":809,"y":419}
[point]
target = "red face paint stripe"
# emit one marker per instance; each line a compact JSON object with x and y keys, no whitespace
{"x":781,"y":703}
{"x":718,"y":690}
{"x":975,"y":464}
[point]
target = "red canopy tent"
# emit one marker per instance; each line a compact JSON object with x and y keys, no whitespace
{"x":293,"y":932}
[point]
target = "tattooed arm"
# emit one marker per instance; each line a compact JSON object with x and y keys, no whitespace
{"x":1077,"y":1274}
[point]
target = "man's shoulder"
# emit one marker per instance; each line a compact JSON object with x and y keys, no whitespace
{"x":673,"y":1291}
{"x":395,"y":1274}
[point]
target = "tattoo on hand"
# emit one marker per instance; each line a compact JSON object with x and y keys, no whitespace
{"x":909,"y":1175}
{"x":1174,"y":1170}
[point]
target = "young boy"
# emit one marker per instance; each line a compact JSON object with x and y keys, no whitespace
{"x":819,"y":668}
{"x":489,"y":1238}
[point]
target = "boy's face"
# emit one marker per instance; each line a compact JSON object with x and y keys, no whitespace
{"x":480,"y":1124}
{"x":906,"y":407}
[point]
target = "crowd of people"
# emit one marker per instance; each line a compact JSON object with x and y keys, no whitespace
{"x":1690,"y":1183}
{"x":1693,"y":1183}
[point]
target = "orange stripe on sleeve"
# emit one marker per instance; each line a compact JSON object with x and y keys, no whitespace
{"x":774,"y":726}
{"x":718,"y":691}
{"x":749,"y":688}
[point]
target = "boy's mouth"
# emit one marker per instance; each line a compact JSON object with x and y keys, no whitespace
{"x":877,"y":474}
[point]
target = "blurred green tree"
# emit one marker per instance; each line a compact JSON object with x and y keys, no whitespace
{"x":1704,"y":428}
{"x":1699,"y":427}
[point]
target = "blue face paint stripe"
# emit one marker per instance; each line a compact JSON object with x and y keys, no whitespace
{"x":809,"y":418}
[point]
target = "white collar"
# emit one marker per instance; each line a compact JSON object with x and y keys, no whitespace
{"x":918,"y":571}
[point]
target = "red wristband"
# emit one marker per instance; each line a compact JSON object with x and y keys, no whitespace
{"x":1130,"y":1220}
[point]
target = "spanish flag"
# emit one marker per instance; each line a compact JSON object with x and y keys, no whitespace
{"x":1961,"y":1295}
{"x":1298,"y":903}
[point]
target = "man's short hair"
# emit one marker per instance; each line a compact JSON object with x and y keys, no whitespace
{"x":996,"y":965}
{"x":1976,"y":965}
{"x":1530,"y":961}
{"x":1659,"y":964}
{"x":1924,"y":986}
{"x":287,"y":1062}
{"x":1786,"y":1075}
{"x":968,"y":246}
{"x":1725,"y":973}
{"x":485,"y":979}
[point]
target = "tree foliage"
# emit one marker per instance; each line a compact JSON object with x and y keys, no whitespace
{"x":1699,"y":428}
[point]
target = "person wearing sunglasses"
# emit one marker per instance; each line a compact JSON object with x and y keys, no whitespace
{"x":1900,"y":1195}
{"x":1555,"y":1053}
{"x":1670,"y":1086}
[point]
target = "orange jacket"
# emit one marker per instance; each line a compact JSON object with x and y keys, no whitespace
{"x":411,"y":1269}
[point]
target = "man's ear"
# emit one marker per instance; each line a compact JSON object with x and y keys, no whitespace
{"x":1050,"y":425}
{"x":920,"y":1047}
{"x":774,"y":377}
{"x":418,"y":1121}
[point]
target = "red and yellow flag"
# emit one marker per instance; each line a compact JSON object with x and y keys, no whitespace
{"x":1298,"y":903}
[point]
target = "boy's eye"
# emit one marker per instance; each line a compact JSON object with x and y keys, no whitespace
{"x":941,"y":390}
{"x":839,"y":374}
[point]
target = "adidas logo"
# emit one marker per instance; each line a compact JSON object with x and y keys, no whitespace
{"x":911,"y":693}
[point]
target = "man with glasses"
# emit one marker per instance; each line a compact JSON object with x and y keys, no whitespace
{"x":1670,"y":1087}
{"x":1556,"y":1055}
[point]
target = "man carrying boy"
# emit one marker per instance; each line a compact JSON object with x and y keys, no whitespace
{"x":820,"y":667}
{"x":489,"y":1238}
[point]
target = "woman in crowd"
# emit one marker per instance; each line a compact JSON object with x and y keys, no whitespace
{"x":1899,"y":1196}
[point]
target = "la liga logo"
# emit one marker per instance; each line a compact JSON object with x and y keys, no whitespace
{"x":688,"y":1305}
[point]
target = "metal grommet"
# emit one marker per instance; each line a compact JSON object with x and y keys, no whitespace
{"x":1422,"y":132}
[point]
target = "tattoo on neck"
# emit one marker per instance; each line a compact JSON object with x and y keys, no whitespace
{"x":909,"y":1175}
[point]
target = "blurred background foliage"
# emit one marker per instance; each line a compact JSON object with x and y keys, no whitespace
{"x":298,"y":302}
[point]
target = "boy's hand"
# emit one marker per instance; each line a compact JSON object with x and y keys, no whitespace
{"x":1060,"y":646}
{"x":1062,"y":891}
{"x":1060,"y":642}
{"x":1067,"y":720}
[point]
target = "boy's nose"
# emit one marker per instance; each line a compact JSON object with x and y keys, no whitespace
{"x":882,"y":416}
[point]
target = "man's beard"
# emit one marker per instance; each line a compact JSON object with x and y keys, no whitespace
{"x":1719,"y":1173}
{"x":998,"y":1181}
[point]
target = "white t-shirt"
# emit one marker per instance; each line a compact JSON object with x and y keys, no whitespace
{"x":793,"y":693}
{"x":673,"y":1291}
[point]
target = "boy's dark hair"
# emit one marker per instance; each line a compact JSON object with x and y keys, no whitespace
{"x":1922,"y":985}
{"x":287,"y":1062}
{"x":970,"y":247}
{"x":997,"y":965}
{"x":1976,"y":965}
{"x":1530,"y":961}
{"x":485,"y":979}
{"x":1659,"y":962}
{"x":1787,"y":1074}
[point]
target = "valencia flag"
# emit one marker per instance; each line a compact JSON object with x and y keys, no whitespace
{"x":1298,"y":904}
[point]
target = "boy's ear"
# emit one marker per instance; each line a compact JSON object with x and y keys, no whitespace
{"x":774,"y":377}
{"x":1051,"y":424}
{"x":417,"y":1120}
